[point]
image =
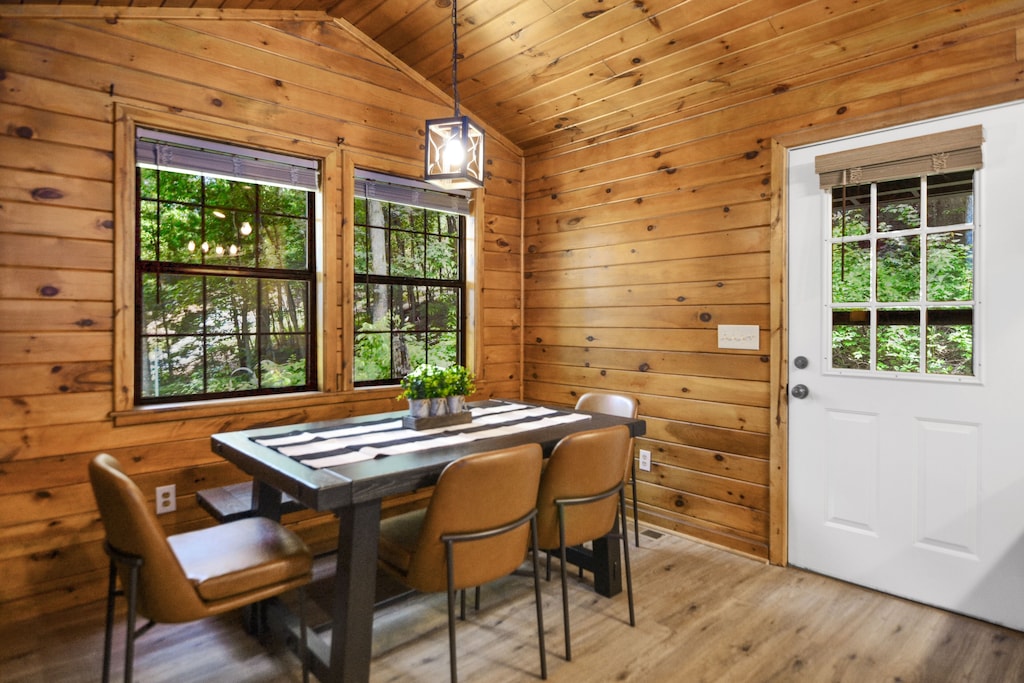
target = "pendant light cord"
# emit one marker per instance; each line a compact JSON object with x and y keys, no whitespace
{"x":455,"y":56}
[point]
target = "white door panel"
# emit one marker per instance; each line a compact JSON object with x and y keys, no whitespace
{"x":915,"y":486}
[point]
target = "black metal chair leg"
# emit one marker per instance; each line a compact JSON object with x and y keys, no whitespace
{"x":131,"y":591}
{"x":625,"y":558}
{"x":565,"y":583}
{"x":537,"y":598}
{"x":108,"y":636}
{"x":451,"y":611}
{"x":303,"y":644}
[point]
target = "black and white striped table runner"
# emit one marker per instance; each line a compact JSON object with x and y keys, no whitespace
{"x":332,"y":446}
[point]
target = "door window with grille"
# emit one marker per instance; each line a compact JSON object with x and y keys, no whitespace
{"x":902,"y":294}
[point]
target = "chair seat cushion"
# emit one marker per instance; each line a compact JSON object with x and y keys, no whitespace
{"x":238,"y":557}
{"x":398,"y":537}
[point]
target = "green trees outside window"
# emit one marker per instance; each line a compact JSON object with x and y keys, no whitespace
{"x":902,"y":275}
{"x":225,"y":287}
{"x":409,"y":289}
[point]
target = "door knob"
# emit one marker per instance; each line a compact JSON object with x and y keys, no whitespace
{"x":800,"y":391}
{"x":800,"y":362}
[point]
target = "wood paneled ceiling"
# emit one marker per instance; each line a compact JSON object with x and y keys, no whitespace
{"x":549,"y":73}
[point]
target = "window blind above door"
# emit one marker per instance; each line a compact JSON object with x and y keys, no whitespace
{"x":954,"y":150}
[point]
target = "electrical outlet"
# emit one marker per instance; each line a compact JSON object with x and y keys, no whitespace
{"x":645,"y":460}
{"x":166,"y":499}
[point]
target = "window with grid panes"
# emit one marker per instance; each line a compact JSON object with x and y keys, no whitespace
{"x":225,"y":276}
{"x":410,"y":282}
{"x":902,"y":254}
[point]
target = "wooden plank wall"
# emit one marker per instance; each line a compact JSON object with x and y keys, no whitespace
{"x":646,"y":229}
{"x":291,"y":74}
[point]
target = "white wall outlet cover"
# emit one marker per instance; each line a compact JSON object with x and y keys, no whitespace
{"x":645,"y":460}
{"x":166,"y":499}
{"x":739,"y":337}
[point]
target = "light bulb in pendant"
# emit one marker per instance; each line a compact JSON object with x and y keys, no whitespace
{"x":220,"y":250}
{"x":205,"y":246}
{"x":246,"y":228}
{"x":453,"y":153}
{"x":191,"y":245}
{"x":233,"y":250}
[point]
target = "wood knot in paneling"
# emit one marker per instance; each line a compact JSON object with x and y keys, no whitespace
{"x":46,"y":193}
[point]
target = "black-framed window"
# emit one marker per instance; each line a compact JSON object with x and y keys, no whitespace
{"x":225,"y":271}
{"x":410,"y":278}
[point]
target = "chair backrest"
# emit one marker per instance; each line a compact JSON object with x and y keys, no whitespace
{"x":583,"y":464}
{"x":165,"y":594}
{"x":476,"y":493}
{"x":608,"y":404}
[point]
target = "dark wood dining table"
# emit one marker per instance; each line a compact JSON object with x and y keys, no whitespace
{"x":354,"y":493}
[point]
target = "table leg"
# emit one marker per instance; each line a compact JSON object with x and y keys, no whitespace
{"x":266,"y":501}
{"x":354,"y":589}
{"x":604,"y":560}
{"x":607,"y":566}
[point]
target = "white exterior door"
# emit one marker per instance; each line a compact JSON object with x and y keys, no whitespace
{"x":910,"y":480}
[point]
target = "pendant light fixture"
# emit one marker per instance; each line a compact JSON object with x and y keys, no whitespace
{"x":455,"y":145}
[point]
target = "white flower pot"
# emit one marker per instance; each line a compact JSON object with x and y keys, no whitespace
{"x":419,"y":407}
{"x":438,"y":406}
{"x":456,"y":404}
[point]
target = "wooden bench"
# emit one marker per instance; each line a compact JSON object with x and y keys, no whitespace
{"x":228,"y":503}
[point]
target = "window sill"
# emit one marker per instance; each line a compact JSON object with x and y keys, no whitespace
{"x":194,"y":410}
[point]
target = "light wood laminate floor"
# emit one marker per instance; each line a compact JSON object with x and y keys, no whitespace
{"x":703,"y":614}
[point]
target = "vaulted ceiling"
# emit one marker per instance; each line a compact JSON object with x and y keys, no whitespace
{"x":547,"y":73}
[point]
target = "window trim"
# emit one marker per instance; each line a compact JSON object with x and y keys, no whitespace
{"x":329,"y":317}
{"x":474,"y":255}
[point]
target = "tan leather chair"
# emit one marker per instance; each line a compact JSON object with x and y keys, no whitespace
{"x":620,"y":406}
{"x":478,"y":526}
{"x":576,"y":503}
{"x":192,"y":575}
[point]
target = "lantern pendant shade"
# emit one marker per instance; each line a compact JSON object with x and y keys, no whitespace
{"x":454,"y":153}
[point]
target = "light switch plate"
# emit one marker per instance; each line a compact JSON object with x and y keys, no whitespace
{"x":739,"y":337}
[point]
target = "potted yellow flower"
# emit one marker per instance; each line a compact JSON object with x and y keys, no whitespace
{"x":421,"y":386}
{"x":459,"y":383}
{"x":437,"y":395}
